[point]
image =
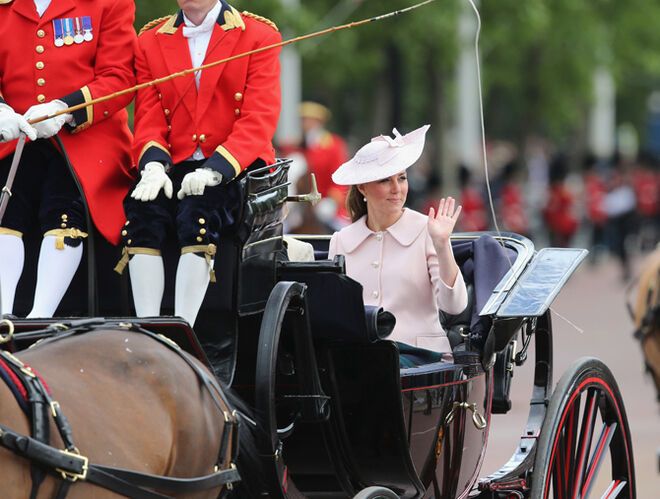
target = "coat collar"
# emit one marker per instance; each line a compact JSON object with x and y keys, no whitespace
{"x":57,"y":8}
{"x":228,"y":19}
{"x":405,"y":231}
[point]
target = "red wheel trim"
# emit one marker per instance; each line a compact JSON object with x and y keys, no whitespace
{"x":597,"y":381}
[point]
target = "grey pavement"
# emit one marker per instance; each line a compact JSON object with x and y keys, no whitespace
{"x":593,"y":300}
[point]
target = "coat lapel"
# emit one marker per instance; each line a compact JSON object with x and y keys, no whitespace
{"x":220,"y":47}
{"x":177,"y":58}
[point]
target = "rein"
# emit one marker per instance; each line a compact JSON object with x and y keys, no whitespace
{"x":71,"y":466}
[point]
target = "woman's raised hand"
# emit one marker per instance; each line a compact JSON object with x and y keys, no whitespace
{"x":441,"y":223}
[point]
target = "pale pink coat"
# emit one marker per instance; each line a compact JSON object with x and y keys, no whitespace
{"x":398,"y":269}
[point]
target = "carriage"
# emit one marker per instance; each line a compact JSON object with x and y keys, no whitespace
{"x":335,"y":413}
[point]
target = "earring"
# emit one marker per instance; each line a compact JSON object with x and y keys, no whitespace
{"x":364,"y":199}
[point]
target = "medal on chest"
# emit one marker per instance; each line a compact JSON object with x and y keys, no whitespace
{"x":70,"y":30}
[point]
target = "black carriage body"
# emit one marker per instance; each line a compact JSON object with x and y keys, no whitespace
{"x":296,"y":342}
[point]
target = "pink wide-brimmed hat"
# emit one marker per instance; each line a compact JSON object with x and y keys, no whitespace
{"x":383,"y":157}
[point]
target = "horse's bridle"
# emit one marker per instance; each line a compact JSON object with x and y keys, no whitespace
{"x":70,"y":466}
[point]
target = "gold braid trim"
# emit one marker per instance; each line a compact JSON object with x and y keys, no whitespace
{"x":9,"y":232}
{"x":209,"y":251}
{"x":126,"y":256}
{"x":264,"y":20}
{"x":60,"y":234}
{"x":153,"y":24}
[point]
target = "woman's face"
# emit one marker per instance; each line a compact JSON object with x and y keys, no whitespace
{"x":386,"y":196}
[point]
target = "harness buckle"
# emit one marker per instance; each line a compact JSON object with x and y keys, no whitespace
{"x":6,"y":338}
{"x":70,"y":476}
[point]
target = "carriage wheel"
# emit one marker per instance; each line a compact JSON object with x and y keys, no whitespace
{"x":376,"y":493}
{"x":585,"y":422}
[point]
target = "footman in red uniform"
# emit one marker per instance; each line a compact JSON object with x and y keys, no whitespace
{"x":56,"y":54}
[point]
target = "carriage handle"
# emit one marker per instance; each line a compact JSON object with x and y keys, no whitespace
{"x":477,"y":418}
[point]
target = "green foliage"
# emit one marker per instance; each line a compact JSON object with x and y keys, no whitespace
{"x":538,"y":57}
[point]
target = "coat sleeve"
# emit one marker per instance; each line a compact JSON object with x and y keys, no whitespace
{"x":150,"y":143}
{"x":253,"y":132}
{"x":113,"y":66}
{"x":451,"y":300}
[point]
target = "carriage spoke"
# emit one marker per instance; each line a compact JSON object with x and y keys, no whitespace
{"x":598,"y":457}
{"x":614,"y":489}
{"x":570,"y":451}
{"x":584,"y":440}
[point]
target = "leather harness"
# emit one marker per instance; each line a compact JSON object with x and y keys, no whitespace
{"x":71,"y":466}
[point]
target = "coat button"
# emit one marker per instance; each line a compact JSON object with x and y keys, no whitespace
{"x":238,"y":97}
{"x":41,"y":82}
{"x":41,"y":33}
{"x":40,"y":65}
{"x":194,"y":137}
{"x":199,"y":239}
{"x":202,"y":138}
{"x":106,"y":113}
{"x":167,"y":112}
{"x":40,"y":49}
{"x":128,"y":222}
{"x":201,"y":221}
{"x":237,"y":112}
{"x":124,"y":233}
{"x":375,"y":294}
{"x":169,"y":128}
{"x":41,"y":98}
{"x":379,"y":236}
{"x":202,"y":231}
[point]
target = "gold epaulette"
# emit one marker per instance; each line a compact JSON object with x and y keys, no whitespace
{"x":153,"y":24}
{"x":264,"y":20}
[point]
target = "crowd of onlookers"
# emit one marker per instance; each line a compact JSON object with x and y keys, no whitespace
{"x":609,"y":205}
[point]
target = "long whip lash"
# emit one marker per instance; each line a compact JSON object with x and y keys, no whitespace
{"x":186,"y":72}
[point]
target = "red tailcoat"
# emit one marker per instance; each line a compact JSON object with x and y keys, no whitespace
{"x":233,"y":115}
{"x":34,"y":70}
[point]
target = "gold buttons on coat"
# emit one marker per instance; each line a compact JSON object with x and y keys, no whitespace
{"x":41,"y":98}
{"x":237,"y":112}
{"x":41,"y":82}
{"x":40,"y":65}
{"x":127,"y":223}
{"x":238,"y":97}
{"x":41,"y":33}
{"x":106,"y":113}
{"x":40,"y":49}
{"x":194,"y":137}
{"x":63,"y":226}
{"x":199,"y":239}
{"x":202,"y":231}
{"x":201,"y":221}
{"x":167,"y":112}
{"x":124,"y":233}
{"x":202,"y":138}
{"x":169,"y":128}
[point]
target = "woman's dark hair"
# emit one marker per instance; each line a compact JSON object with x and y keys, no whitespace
{"x":355,"y":204}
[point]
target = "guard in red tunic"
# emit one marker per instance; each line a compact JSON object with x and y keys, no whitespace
{"x":193,"y":136}
{"x":56,"y":54}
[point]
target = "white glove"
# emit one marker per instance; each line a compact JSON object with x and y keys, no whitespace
{"x":194,"y":183}
{"x":12,"y":124}
{"x":153,"y":180}
{"x":48,"y":128}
